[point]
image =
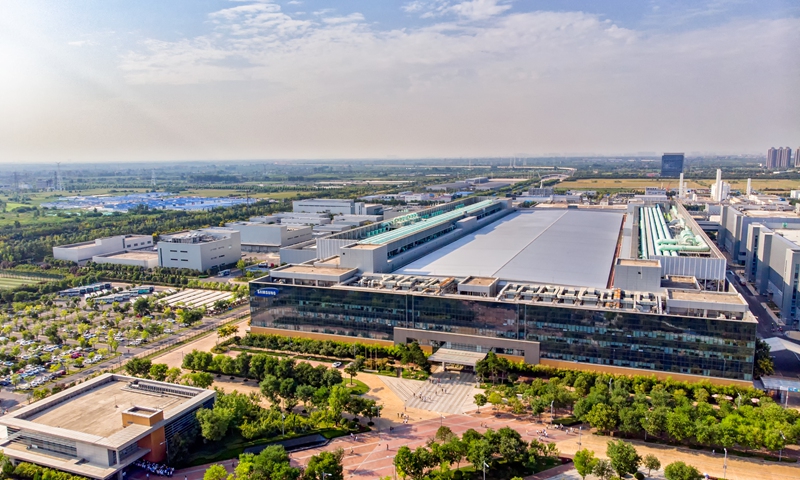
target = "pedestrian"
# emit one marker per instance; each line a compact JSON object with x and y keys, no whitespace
{"x":387,"y":446}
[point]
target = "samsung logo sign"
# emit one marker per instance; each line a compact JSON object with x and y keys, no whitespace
{"x":267,"y":292}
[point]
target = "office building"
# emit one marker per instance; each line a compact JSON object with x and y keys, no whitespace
{"x":98,"y":428}
{"x":797,"y":157}
{"x":671,"y":165}
{"x":207,"y":249}
{"x":82,"y":252}
{"x":533,"y":284}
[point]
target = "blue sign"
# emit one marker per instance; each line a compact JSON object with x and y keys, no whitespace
{"x":267,"y":292}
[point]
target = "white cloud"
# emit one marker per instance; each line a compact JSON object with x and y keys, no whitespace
{"x":469,"y":10}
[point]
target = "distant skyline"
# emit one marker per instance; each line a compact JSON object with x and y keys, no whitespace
{"x":116,"y":81}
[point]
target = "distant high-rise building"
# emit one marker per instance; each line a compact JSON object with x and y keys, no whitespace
{"x":772,"y":158}
{"x":671,"y":164}
{"x":797,"y":157}
{"x":779,"y":158}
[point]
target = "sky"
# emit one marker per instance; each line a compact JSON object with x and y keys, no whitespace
{"x":155,"y":80}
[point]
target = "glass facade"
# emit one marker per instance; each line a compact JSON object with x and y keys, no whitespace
{"x":689,"y":345}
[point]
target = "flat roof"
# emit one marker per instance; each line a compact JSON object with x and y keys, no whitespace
{"x":483,"y":281}
{"x":544,"y":246}
{"x":769,"y":213}
{"x":311,"y":269}
{"x":457,"y":357}
{"x":99,"y":410}
{"x":789,"y":234}
{"x":140,"y":255}
{"x":638,"y":262}
{"x":706,"y":296}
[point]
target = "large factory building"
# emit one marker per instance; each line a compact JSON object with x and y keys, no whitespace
{"x":565,"y":287}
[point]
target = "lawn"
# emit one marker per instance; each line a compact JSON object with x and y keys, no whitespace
{"x":8,"y":282}
{"x":357,"y":387}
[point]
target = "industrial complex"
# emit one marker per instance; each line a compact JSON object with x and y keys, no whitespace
{"x":629,"y":289}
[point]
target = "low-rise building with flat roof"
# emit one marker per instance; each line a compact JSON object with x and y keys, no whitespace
{"x":84,"y":251}
{"x":100,"y":427}
{"x":202,"y":250}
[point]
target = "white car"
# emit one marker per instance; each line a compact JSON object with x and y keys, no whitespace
{"x":336,"y":364}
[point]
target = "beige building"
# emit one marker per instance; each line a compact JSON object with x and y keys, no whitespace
{"x":99,"y":428}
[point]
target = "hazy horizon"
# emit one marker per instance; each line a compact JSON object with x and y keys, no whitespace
{"x":212,"y":80}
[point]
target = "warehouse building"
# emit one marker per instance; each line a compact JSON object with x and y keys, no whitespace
{"x":772,"y":265}
{"x":735,"y":220}
{"x":207,"y":249}
{"x":270,"y":237}
{"x":335,"y":206}
{"x":544,"y":285}
{"x":82,"y":252}
{"x":100,"y":427}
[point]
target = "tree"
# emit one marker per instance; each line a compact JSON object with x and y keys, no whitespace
{"x":352,"y":369}
{"x":681,"y":471}
{"x":651,"y":462}
{"x":199,"y":379}
{"x":141,"y":306}
{"x":271,"y":464}
{"x":414,"y":463}
{"x":214,"y":422}
{"x":602,"y":469}
{"x":480,"y":400}
{"x":763,"y":364}
{"x":215,"y":472}
{"x":623,"y":456}
{"x":602,"y":417}
{"x":173,"y":374}
{"x":158,"y":371}
{"x":584,"y":462}
{"x":138,"y":367}
{"x":226,"y":331}
{"x":337,"y":401}
{"x":325,"y":466}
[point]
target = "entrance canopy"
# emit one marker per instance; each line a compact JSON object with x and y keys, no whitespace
{"x":457,"y":357}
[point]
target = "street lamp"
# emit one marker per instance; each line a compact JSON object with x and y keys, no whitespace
{"x":739,"y":400}
{"x":441,"y":420}
{"x":647,"y":420}
{"x":283,"y":428}
{"x":552,"y":415}
{"x":166,"y":442}
{"x":580,"y":435}
{"x":780,"y":454}
{"x":725,"y":464}
{"x":484,"y":470}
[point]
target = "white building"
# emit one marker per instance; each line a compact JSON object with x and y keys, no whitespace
{"x":201,"y":250}
{"x":335,"y":206}
{"x":723,"y":194}
{"x":85,"y":251}
{"x":266,"y":237}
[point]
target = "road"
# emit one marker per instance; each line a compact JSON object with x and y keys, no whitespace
{"x":765,"y":323}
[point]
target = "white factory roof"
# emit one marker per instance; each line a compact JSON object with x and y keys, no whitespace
{"x":548,"y":246}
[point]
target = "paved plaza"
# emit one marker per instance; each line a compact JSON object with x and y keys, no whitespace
{"x":443,"y":392}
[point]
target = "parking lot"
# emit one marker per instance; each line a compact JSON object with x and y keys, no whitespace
{"x":45,"y":344}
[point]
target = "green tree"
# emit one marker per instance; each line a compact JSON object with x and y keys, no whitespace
{"x":215,"y":472}
{"x":271,"y":464}
{"x":173,"y":374}
{"x":199,"y":379}
{"x":623,"y":456}
{"x":679,"y":424}
{"x":414,"y":464}
{"x":480,"y":400}
{"x":214,"y":422}
{"x":602,"y":469}
{"x":325,"y":466}
{"x":602,"y":417}
{"x":141,"y":306}
{"x":138,"y":367}
{"x":353,"y":367}
{"x":584,"y":462}
{"x":762,"y":364}
{"x":337,"y":401}
{"x":158,"y":371}
{"x":651,"y":462}
{"x":226,"y":331}
{"x":681,"y":471}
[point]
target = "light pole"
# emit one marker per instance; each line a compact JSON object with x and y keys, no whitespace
{"x":441,"y":420}
{"x":647,"y":420}
{"x":283,"y":428}
{"x":552,"y":415}
{"x":725,"y":464}
{"x":580,"y":435}
{"x":780,"y":454}
{"x":484,"y":470}
{"x":739,"y":400}
{"x":166,"y":442}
